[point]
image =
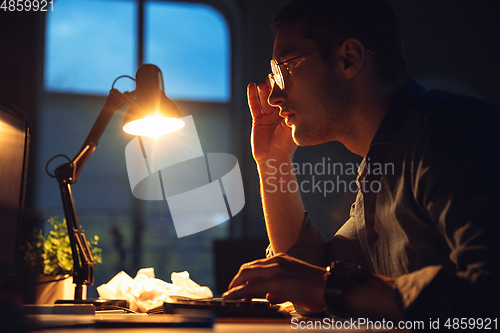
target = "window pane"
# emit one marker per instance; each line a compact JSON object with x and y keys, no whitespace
{"x":190,"y":44}
{"x":89,"y":43}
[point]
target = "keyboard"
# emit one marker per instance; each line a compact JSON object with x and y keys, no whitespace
{"x":222,"y":308}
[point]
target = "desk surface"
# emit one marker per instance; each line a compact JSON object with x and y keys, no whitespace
{"x":219,"y":328}
{"x":265,"y":325}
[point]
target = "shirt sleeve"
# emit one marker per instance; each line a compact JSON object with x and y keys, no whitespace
{"x":456,"y":185}
{"x":432,"y":293}
{"x":310,"y":246}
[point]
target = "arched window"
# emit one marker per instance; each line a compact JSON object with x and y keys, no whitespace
{"x":90,"y":43}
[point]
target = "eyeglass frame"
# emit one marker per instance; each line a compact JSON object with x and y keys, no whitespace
{"x":276,"y":70}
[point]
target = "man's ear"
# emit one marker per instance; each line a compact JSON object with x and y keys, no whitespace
{"x":352,"y":57}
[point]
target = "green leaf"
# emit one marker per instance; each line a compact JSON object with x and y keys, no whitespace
{"x":48,"y":270}
{"x":55,"y":241}
{"x":52,"y":254}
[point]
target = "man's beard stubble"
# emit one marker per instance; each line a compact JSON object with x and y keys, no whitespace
{"x":332,"y":108}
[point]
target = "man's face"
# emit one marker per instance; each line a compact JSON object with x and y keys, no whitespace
{"x":314,"y":101}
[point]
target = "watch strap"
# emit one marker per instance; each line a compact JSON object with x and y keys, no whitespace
{"x":340,"y":275}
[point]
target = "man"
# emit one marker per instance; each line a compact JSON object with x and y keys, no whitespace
{"x":428,"y":235}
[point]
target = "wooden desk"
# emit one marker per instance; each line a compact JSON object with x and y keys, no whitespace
{"x":218,"y":328}
{"x":228,"y":325}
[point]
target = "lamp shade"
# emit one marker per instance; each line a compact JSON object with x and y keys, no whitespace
{"x":152,"y":113}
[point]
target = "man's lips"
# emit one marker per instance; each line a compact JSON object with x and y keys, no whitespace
{"x":289,"y":119}
{"x":287,"y":115}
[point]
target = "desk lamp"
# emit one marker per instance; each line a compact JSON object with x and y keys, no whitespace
{"x":152,"y":114}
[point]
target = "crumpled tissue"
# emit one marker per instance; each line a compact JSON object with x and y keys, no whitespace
{"x":145,"y":292}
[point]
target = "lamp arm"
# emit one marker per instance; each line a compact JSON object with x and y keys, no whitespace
{"x":114,"y":101}
{"x":67,"y":174}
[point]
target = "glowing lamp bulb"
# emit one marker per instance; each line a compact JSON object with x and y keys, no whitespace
{"x":153,"y":127}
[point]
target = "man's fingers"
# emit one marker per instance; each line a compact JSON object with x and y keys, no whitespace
{"x":281,"y":278}
{"x":257,"y":100}
{"x":253,"y":272}
{"x":264,"y":92}
{"x":256,"y":269}
{"x":250,"y":290}
{"x":274,"y":299}
{"x":253,"y":100}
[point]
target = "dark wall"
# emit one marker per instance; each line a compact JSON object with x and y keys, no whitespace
{"x":459,"y":40}
{"x":20,"y":40}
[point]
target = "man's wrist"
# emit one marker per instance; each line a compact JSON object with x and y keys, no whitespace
{"x":275,"y":166}
{"x":340,"y":276}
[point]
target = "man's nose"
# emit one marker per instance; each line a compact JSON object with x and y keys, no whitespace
{"x":277,"y":97}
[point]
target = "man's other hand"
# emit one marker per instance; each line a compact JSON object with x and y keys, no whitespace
{"x":282,"y":278}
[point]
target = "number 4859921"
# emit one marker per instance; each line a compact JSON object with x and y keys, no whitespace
{"x":27,"y":5}
{"x":471,"y":323}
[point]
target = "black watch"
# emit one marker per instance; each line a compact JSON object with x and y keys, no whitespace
{"x":340,"y":275}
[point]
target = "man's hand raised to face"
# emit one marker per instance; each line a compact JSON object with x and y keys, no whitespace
{"x":282,"y":278}
{"x":271,"y":138}
{"x":272,"y":148}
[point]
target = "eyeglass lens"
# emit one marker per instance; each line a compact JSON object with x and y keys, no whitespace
{"x":277,"y":74}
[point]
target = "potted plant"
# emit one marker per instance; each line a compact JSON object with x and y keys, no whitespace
{"x":51,"y":258}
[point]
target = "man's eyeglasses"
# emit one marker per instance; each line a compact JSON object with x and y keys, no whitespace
{"x":278,"y":76}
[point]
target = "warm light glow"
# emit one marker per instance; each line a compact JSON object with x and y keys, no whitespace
{"x":153,"y":127}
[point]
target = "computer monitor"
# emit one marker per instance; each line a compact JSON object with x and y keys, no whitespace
{"x":14,"y":149}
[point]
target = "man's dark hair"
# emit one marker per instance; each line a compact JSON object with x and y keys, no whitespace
{"x":372,"y":22}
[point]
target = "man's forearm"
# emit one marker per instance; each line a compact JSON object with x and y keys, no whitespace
{"x":282,"y":203}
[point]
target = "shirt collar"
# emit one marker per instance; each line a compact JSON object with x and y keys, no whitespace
{"x":390,"y":124}
{"x":397,"y":112}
